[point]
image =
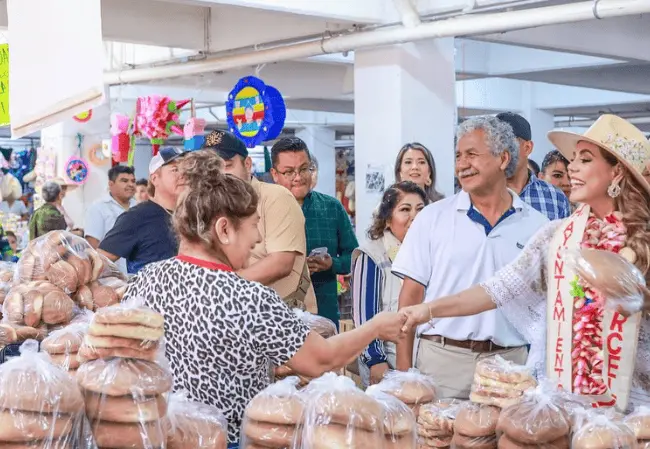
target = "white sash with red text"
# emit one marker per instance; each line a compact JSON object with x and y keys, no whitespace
{"x":620,"y":334}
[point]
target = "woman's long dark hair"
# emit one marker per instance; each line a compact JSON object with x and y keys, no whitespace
{"x":432,"y":194}
{"x":389,"y":201}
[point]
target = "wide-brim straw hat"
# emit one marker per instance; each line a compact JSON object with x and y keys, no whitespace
{"x":617,"y":136}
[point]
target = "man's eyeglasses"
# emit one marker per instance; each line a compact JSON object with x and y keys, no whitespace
{"x":303,"y":172}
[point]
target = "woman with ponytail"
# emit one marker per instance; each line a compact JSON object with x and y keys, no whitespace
{"x":223,"y":332}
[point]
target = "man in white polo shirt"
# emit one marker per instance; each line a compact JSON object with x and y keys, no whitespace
{"x":459,"y":242}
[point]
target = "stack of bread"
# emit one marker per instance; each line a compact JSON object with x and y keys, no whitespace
{"x":500,"y":382}
{"x":272,"y":418}
{"x":435,"y":424}
{"x":538,"y":419}
{"x":63,"y":345}
{"x":475,"y":427}
{"x":35,"y":308}
{"x":7,"y":272}
{"x":412,"y":387}
{"x":340,"y":416}
{"x":40,"y":405}
{"x":124,"y":387}
{"x":598,"y":431}
{"x":639,"y":422}
{"x":72,"y":265}
{"x":323,"y":326}
{"x":193,"y":425}
{"x":399,"y":421}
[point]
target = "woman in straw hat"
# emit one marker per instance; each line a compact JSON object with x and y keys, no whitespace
{"x":592,"y":350}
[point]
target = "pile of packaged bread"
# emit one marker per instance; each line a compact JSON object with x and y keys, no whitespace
{"x":102,"y":382}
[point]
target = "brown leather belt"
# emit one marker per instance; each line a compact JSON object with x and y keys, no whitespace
{"x":474,"y":346}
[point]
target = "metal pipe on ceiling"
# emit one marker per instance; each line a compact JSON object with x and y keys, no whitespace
{"x":564,"y":123}
{"x":465,"y":25}
{"x":408,"y":13}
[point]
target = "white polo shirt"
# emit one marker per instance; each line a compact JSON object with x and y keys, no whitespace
{"x":101,"y":217}
{"x":447,"y":251}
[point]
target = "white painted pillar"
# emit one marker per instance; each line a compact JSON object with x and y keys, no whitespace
{"x":402,"y":93}
{"x":62,"y":138}
{"x":320,"y":141}
{"x":541,"y":122}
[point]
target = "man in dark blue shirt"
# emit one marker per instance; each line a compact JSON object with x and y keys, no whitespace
{"x":144,"y":233}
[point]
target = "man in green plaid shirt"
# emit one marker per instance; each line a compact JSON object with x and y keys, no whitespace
{"x":327,"y":225}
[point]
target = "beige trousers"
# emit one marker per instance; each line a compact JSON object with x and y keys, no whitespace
{"x":453,"y":368}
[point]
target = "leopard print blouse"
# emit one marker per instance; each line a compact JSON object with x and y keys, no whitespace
{"x":221,"y":332}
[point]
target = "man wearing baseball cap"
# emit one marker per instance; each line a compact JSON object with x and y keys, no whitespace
{"x":535,"y":192}
{"x":279,"y":260}
{"x":144,"y":233}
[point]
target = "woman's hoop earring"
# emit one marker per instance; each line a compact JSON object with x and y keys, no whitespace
{"x":614,"y":190}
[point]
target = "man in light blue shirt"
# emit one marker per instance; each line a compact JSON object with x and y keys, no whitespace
{"x":101,"y":216}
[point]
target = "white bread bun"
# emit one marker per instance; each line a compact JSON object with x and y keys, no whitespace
{"x":122,"y":377}
{"x":502,"y":370}
{"x":341,"y":437}
{"x":475,"y":420}
{"x":123,"y":315}
{"x":66,"y":361}
{"x":62,"y":343}
{"x":63,"y":275}
{"x":125,"y":409}
{"x":95,"y":341}
{"x":269,"y":435}
{"x":33,"y":308}
{"x":276,"y":409}
{"x":84,"y":297}
{"x":134,"y":331}
{"x":144,"y":435}
{"x":87,"y":353}
{"x":17,"y":426}
{"x":57,"y":308}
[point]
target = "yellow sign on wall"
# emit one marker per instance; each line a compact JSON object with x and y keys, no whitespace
{"x":4,"y":84}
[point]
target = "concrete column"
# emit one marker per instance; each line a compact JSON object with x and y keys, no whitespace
{"x":402,"y":93}
{"x":320,"y":141}
{"x":62,"y":138}
{"x":541,"y":122}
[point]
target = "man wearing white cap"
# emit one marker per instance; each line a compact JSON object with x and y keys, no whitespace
{"x":144,"y":233}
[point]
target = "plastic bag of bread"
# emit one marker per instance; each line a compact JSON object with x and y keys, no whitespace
{"x":598,"y":431}
{"x":7,"y":273}
{"x":411,"y":387}
{"x":103,"y":292}
{"x":193,"y":425}
{"x":63,"y":345}
{"x":323,"y":326}
{"x":128,"y":330}
{"x":272,"y":418}
{"x":126,"y":402}
{"x":475,"y":426}
{"x":41,"y":406}
{"x":340,"y":416}
{"x":64,"y":259}
{"x":612,"y":275}
{"x":37,"y":304}
{"x":399,"y":421}
{"x":639,"y":422}
{"x":500,"y":382}
{"x":539,"y":418}
{"x":435,"y":423}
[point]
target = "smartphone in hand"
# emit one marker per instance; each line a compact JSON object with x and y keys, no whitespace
{"x":318,"y":252}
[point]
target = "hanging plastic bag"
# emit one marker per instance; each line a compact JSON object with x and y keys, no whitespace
{"x":340,"y":415}
{"x":41,"y":405}
{"x":617,"y":281}
{"x":271,"y":419}
{"x":411,"y":387}
{"x":399,"y":421}
{"x":192,"y":425}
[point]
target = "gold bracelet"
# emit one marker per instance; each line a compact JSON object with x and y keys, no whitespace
{"x":430,"y":313}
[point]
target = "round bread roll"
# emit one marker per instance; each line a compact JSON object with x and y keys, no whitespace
{"x":66,"y":361}
{"x":103,"y":296}
{"x":125,"y":409}
{"x":84,"y":297}
{"x":532,"y":422}
{"x":33,"y":308}
{"x":460,"y":441}
{"x":350,"y":408}
{"x":269,"y":435}
{"x":118,"y":435}
{"x":341,"y":437}
{"x":506,"y":443}
{"x":124,"y":315}
{"x":97,"y":263}
{"x":95,"y":341}
{"x":192,"y":433}
{"x":84,"y":271}
{"x":13,"y":308}
{"x":502,"y":403}
{"x":276,"y":409}
{"x":87,"y":353}
{"x":405,"y":442}
{"x":122,"y":377}
{"x":26,"y":333}
{"x":54,"y":393}
{"x":413,"y":392}
{"x":502,"y":370}
{"x":604,"y":437}
{"x":640,"y":424}
{"x":6,"y":276}
{"x":57,"y":308}
{"x":134,"y":331}
{"x":441,"y":442}
{"x":7,"y":335}
{"x":474,"y":420}
{"x":609,"y":273}
{"x":17,"y":426}
{"x":26,"y":266}
{"x":63,"y":342}
{"x":64,"y":276}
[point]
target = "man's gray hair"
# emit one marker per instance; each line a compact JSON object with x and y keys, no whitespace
{"x":50,"y":191}
{"x":499,"y":137}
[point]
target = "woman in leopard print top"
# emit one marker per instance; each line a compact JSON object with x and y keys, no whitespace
{"x":221,"y":330}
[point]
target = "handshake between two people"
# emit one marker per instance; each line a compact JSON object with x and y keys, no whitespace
{"x":394,"y":326}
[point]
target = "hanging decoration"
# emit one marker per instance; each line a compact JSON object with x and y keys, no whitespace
{"x":120,"y":140}
{"x":157,"y":117}
{"x":194,"y":131}
{"x":84,"y":117}
{"x":255,"y":112}
{"x":76,"y":168}
{"x":96,"y":155}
